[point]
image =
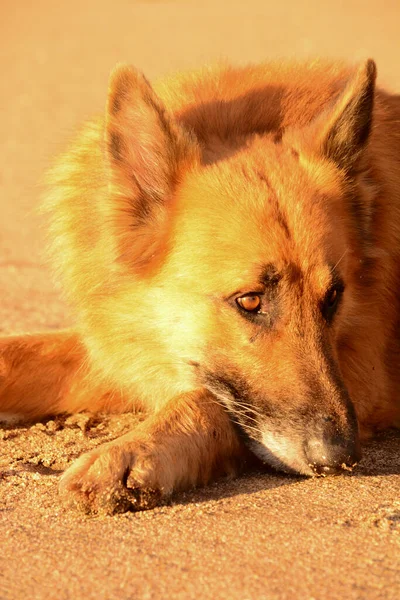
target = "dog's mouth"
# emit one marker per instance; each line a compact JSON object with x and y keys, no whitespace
{"x":291,"y":442}
{"x":294,"y":456}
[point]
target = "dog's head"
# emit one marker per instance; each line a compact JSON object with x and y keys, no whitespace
{"x":246,"y":266}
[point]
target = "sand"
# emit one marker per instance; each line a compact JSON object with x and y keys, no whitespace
{"x":262,"y":536}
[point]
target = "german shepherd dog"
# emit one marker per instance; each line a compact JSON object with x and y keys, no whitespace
{"x":230,"y":242}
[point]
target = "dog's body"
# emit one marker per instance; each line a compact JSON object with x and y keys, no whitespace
{"x":233,"y":255}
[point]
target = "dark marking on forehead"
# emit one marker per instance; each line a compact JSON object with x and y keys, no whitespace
{"x":279,"y":215}
{"x":269,"y":275}
{"x":253,"y":175}
{"x":293,"y":273}
{"x":281,"y":218}
{"x":264,"y":179}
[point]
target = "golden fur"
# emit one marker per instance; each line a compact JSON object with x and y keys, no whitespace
{"x":274,"y":186}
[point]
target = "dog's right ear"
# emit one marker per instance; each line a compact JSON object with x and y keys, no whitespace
{"x":146,"y":150}
{"x":341,"y":132}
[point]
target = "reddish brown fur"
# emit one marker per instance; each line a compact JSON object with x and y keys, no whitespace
{"x":218,"y":184}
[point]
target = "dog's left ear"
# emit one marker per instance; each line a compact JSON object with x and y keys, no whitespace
{"x":341,"y":133}
{"x":146,"y":151}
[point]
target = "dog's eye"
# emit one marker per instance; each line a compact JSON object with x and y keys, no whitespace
{"x":332,"y":300}
{"x":249,"y":303}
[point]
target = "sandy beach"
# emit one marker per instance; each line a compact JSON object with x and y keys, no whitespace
{"x":265,"y":535}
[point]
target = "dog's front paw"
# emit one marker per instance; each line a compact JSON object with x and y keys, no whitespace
{"x":112,"y":479}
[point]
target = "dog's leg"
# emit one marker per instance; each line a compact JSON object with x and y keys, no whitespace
{"x":47,"y":374}
{"x":185,"y":444}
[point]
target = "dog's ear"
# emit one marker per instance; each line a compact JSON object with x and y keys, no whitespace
{"x":341,"y":132}
{"x":146,"y":150}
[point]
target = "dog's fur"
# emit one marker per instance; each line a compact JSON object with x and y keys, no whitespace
{"x":230,"y":241}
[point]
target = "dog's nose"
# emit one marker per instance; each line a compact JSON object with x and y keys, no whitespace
{"x":333,"y":455}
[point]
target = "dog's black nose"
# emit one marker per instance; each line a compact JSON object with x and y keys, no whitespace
{"x":331,"y":456}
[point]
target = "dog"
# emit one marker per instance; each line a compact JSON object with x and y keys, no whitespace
{"x":230,"y":242}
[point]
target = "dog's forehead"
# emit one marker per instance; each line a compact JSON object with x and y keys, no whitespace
{"x":267,"y":185}
{"x":260,"y":173}
{"x":257,"y":208}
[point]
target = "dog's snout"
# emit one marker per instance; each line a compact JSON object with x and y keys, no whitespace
{"x":332,"y":453}
{"x":332,"y":456}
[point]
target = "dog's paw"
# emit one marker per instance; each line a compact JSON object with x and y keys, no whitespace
{"x":112,"y":479}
